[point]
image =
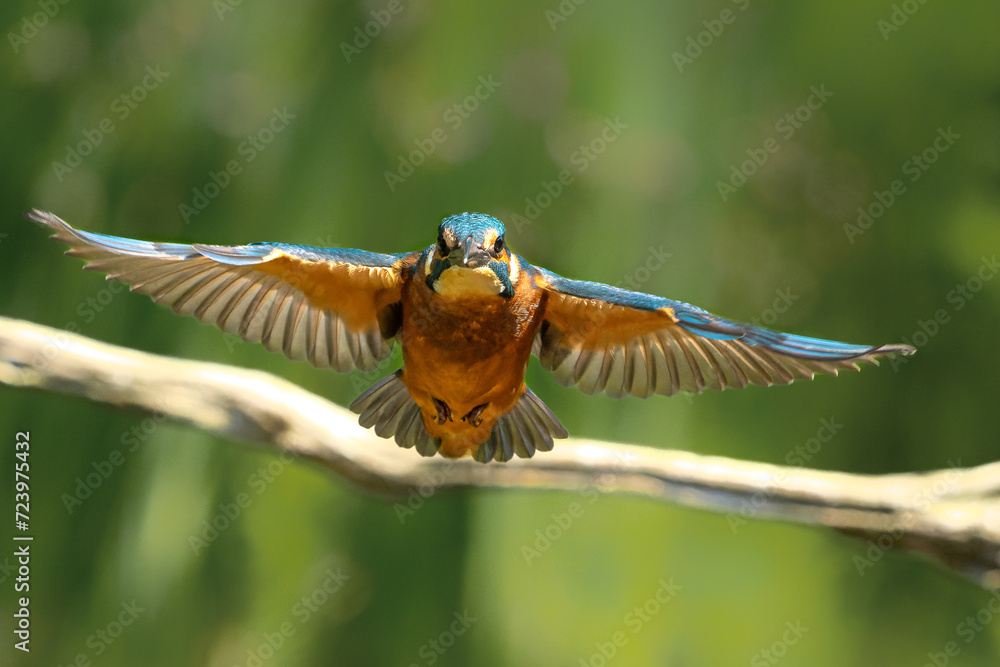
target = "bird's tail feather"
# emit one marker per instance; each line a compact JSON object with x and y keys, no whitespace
{"x":529,"y":427}
{"x":388,"y":406}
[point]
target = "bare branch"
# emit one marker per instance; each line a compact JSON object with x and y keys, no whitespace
{"x":951,"y":515}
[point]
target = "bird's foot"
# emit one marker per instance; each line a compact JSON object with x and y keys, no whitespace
{"x":475,"y":416}
{"x":443,"y":411}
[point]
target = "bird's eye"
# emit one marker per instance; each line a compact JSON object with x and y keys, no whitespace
{"x":442,"y":245}
{"x":498,"y":246}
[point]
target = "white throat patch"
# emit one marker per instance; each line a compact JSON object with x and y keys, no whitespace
{"x":457,"y":281}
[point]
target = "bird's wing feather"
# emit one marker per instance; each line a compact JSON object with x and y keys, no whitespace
{"x":332,"y":307}
{"x":603,"y":338}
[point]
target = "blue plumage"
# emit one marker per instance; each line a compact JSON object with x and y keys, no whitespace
{"x":475,"y":225}
{"x":601,"y":292}
{"x":133,"y":247}
{"x":348,"y":256}
{"x":702,"y":323}
{"x":242,"y":255}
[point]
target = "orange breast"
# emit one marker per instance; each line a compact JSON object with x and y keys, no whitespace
{"x":466,"y":352}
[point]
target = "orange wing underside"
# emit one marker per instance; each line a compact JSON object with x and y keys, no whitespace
{"x":595,"y":325}
{"x":338,"y":287}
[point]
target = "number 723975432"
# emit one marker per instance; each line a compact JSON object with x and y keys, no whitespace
{"x":22,"y":498}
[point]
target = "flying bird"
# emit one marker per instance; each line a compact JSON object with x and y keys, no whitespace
{"x":468,"y":313}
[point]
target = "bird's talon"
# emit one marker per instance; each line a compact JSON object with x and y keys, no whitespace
{"x":475,"y":416}
{"x":443,"y":411}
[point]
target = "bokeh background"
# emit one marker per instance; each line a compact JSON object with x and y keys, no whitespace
{"x":144,"y":105}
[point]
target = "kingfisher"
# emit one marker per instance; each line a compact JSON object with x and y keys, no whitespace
{"x":468,"y":314}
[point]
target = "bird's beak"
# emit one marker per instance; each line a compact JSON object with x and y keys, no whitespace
{"x":472,"y":254}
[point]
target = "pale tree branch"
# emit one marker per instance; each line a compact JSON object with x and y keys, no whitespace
{"x":952,"y":515}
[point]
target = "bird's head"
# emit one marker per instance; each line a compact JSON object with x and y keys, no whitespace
{"x":471,"y":240}
{"x":471,"y":258}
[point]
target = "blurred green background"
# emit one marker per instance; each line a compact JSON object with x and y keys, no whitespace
{"x":143,"y":105}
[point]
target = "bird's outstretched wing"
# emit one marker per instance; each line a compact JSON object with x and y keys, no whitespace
{"x":603,"y":338}
{"x":335,"y":308}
